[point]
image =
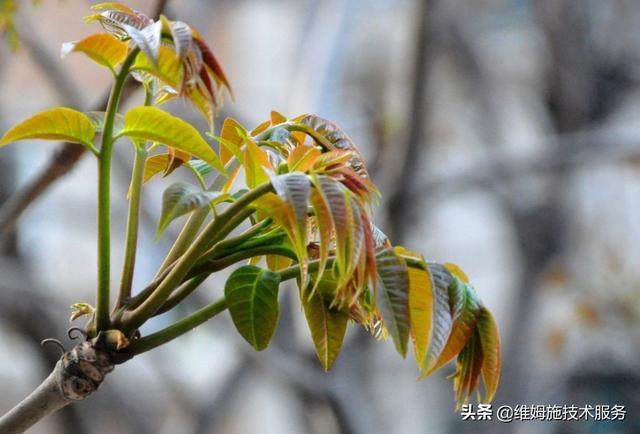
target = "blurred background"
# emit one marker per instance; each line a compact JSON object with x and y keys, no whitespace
{"x":504,"y":136}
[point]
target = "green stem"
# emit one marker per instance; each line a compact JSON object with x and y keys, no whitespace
{"x":235,"y":241}
{"x":134,"y":319}
{"x":182,"y":292}
{"x":191,"y":228}
{"x":132,"y":226}
{"x":294,"y":271}
{"x":219,"y":264}
{"x":104,"y":200}
{"x":199,"y":317}
{"x":181,"y":327}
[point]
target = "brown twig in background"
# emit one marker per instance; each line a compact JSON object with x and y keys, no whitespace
{"x":399,"y":206}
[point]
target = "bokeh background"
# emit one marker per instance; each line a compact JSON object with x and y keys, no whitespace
{"x":505,"y":137}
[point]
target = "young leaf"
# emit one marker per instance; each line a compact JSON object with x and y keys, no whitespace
{"x":97,"y":119}
{"x":151,"y":123}
{"x":327,"y":326}
{"x":490,"y":342}
{"x":466,"y":311}
{"x":442,"y":320}
{"x":181,"y":198}
{"x":167,"y":68}
{"x":325,"y":230}
{"x":255,"y":162}
{"x":252,"y":298}
{"x":232,"y":136}
{"x":335,"y":138}
{"x":295,"y":188}
{"x":148,"y":39}
{"x":116,"y":17}
{"x":211,"y":62}
{"x":102,"y":48}
{"x":333,"y":195}
{"x":155,"y":164}
{"x":182,"y":38}
{"x":468,"y":370}
{"x":56,"y":124}
{"x":302,"y":158}
{"x":277,"y":118}
{"x":393,"y":297}
{"x":421,"y":311}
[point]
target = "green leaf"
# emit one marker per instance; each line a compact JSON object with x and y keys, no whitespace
{"x":327,"y":326}
{"x":200,"y":167}
{"x":252,"y":298}
{"x":102,"y":48}
{"x":56,"y":124}
{"x":393,"y":297}
{"x":492,"y":359}
{"x":151,"y":123}
{"x":442,"y":319}
{"x":181,"y":198}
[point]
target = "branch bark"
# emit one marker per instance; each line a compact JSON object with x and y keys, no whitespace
{"x":44,"y":400}
{"x":78,"y":373}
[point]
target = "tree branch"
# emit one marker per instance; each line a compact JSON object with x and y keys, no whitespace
{"x":44,"y":400}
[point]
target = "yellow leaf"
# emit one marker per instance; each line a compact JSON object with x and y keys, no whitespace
{"x":302,"y":158}
{"x":492,"y":359}
{"x":151,"y":123}
{"x":168,"y":68}
{"x":255,"y":161}
{"x":277,"y":118}
{"x":177,"y":158}
{"x":56,"y":124}
{"x":327,"y":327}
{"x":421,"y":311}
{"x":260,"y":128}
{"x":102,"y":48}
{"x":456,"y":271}
{"x":232,"y":135}
{"x":154,"y":165}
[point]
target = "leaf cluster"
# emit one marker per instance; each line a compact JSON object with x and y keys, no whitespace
{"x":288,"y":199}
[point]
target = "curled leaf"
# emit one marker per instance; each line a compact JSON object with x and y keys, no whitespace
{"x":181,"y":198}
